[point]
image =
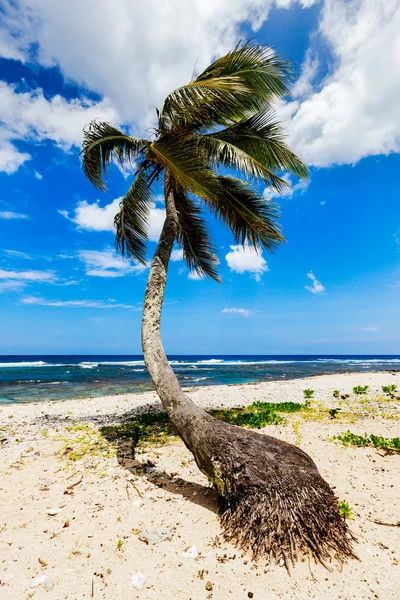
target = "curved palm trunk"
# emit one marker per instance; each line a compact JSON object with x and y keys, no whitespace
{"x":274,"y":501}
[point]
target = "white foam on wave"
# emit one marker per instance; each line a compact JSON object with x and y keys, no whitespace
{"x":211,"y":361}
{"x":127,"y":363}
{"x":37,"y":363}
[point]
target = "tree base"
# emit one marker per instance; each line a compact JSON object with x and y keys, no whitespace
{"x":274,"y":502}
{"x":287,"y":520}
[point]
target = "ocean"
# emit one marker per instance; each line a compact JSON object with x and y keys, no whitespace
{"x":40,"y":378}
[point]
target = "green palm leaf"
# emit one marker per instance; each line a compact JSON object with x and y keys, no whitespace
{"x":243,"y":81}
{"x":186,"y":165}
{"x":224,"y":152}
{"x":251,"y":217}
{"x":262,"y":139}
{"x":198,"y":251}
{"x":131,"y":221}
{"x":102,"y":144}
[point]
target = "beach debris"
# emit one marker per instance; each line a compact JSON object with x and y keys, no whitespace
{"x":38,"y":581}
{"x":42,"y":562}
{"x":149,"y":466}
{"x":135,"y":488}
{"x":191,"y":553}
{"x":177,"y":496}
{"x":209,"y":586}
{"x":151,"y":537}
{"x":70,"y":489}
{"x":138,"y":580}
{"x":397,"y":524}
{"x":53,"y":511}
{"x":49,"y":584}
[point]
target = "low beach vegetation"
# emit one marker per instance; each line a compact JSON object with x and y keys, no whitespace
{"x":360,"y":389}
{"x":390,"y":445}
{"x":345,"y":510}
{"x":156,"y":429}
{"x":390,"y":390}
{"x":308,"y":393}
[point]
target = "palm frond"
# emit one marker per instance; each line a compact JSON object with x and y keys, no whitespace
{"x":198,"y":250}
{"x":102,"y":144}
{"x":251,"y":217}
{"x":262,"y":139}
{"x":255,"y":66}
{"x":131,"y":221}
{"x":225,"y":152}
{"x":188,"y":168}
{"x":244,"y":80}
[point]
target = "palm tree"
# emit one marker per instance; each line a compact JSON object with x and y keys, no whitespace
{"x":273,"y":498}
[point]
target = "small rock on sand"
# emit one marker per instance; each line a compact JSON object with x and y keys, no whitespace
{"x":155,"y":536}
{"x":138,"y":581}
{"x":38,"y":581}
{"x":191,"y":553}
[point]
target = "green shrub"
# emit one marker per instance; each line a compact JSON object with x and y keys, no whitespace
{"x":345,"y":510}
{"x":258,"y":414}
{"x":360,"y":389}
{"x":390,"y":390}
{"x":308,"y":393}
{"x":336,"y":393}
{"x":333,"y":412}
{"x":391,"y":445}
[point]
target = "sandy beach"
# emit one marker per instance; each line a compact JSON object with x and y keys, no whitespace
{"x":102,"y":526}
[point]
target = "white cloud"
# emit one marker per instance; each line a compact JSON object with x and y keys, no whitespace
{"x":355,"y":112}
{"x":238,"y":311}
{"x":7,"y":214}
{"x":39,"y":276}
{"x":107,"y":264}
{"x":245,"y":259}
{"x":96,"y":218}
{"x":38,"y":175}
{"x":371,"y":329}
{"x":12,"y":286}
{"x":74,"y":303}
{"x":177,"y":255}
{"x":31,"y":117}
{"x":131,"y":52}
{"x":10,"y":158}
{"x":299,"y":186}
{"x":17,"y":254}
{"x":195,"y":276}
{"x":316,"y":287}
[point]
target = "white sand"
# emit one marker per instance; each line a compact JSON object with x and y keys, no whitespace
{"x":78,"y":546}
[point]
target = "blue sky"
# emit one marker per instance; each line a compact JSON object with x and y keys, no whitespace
{"x":333,"y":287}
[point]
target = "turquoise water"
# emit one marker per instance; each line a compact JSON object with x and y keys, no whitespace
{"x":39,"y":378}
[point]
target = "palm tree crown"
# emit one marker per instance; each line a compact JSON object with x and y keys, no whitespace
{"x":223,"y":118}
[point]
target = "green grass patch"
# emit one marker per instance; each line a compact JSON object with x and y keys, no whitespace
{"x":361,"y":389}
{"x":86,"y":442}
{"x":155,"y":428}
{"x":391,"y":445}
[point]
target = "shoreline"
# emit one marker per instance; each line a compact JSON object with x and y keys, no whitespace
{"x":70,"y":527}
{"x":213,"y":396}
